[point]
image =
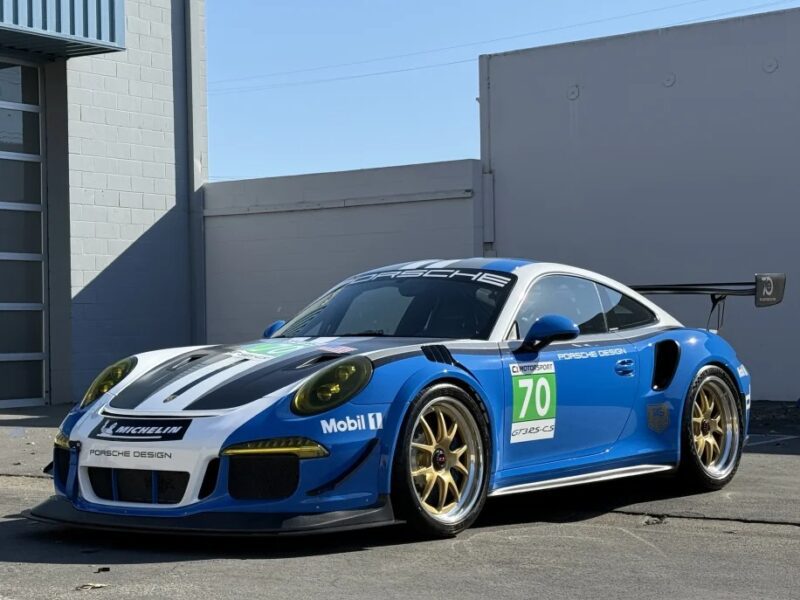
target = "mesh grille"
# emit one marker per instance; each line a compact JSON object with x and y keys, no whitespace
{"x":136,"y":485}
{"x":269,"y":477}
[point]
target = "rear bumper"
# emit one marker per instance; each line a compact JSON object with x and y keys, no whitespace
{"x":59,"y":510}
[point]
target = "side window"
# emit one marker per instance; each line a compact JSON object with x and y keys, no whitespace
{"x":623,"y":312}
{"x":571,"y":297}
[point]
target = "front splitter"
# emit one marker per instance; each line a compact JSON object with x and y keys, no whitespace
{"x":58,"y":510}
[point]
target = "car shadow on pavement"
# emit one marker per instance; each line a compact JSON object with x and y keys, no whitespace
{"x":23,"y":541}
{"x":580,"y":503}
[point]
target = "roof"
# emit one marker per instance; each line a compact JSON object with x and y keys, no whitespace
{"x":507,"y":265}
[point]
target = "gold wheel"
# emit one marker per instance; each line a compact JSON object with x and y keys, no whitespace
{"x":446,"y":460}
{"x":715,"y":427}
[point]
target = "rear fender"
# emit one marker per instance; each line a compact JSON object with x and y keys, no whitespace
{"x":658,"y":412}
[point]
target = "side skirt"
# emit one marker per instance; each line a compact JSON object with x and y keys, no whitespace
{"x":579,"y":479}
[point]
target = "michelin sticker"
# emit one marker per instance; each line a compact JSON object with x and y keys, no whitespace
{"x":534,"y":402}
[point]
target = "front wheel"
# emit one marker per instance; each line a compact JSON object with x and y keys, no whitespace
{"x":440,"y":476}
{"x":712,"y":431}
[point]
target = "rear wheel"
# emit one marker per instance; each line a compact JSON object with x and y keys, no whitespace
{"x":712,"y":437}
{"x":440,"y":475}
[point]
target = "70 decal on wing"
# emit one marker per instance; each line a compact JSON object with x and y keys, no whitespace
{"x":534,"y":395}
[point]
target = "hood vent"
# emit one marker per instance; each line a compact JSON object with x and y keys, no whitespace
{"x":438,"y":354}
{"x":188,"y":359}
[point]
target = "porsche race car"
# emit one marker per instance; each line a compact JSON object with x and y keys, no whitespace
{"x":409,"y":393}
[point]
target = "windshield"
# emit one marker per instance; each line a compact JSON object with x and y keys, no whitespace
{"x":435,"y":303}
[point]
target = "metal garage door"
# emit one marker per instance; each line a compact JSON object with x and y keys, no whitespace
{"x":22,"y":243}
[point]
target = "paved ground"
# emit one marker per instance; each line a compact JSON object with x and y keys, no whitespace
{"x":632,"y":539}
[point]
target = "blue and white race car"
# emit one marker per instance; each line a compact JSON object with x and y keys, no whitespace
{"x":408,"y":393}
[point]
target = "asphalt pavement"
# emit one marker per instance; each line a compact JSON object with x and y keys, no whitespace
{"x":637,"y":538}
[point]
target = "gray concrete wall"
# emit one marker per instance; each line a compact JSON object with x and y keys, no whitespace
{"x":663,"y":156}
{"x":273,"y":245}
{"x":132,"y":161}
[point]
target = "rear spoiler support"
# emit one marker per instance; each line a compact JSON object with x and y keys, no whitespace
{"x":767,"y":289}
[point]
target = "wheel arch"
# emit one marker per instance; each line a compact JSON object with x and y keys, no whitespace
{"x":730,"y":372}
{"x":711,"y":361}
{"x":416,"y":385}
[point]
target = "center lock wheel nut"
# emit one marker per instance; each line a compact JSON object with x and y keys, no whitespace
{"x":439,"y":459}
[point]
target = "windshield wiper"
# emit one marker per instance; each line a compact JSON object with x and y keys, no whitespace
{"x":365,"y":333}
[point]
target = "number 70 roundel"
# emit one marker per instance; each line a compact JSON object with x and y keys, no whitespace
{"x":534,"y":402}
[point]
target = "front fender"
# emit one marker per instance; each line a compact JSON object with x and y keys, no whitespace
{"x":423,"y":374}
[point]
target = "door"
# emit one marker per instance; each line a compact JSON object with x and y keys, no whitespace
{"x":571,"y":399}
{"x":22,"y":243}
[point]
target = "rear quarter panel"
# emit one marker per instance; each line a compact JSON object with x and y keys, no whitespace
{"x":655,"y":423}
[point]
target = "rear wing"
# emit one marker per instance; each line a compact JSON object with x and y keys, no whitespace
{"x":767,"y":289}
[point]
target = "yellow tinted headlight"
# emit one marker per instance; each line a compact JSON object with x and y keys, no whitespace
{"x":332,"y":386}
{"x":61,"y":440}
{"x":110,"y":377}
{"x":299,"y":446}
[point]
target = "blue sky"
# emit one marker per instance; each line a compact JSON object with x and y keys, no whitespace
{"x":304,"y":86}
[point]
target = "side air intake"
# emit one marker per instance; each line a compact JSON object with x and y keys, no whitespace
{"x":667,"y":355}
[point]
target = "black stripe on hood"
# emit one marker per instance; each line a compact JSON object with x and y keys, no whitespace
{"x":195,"y":382}
{"x":264,"y":377}
{"x":165,"y":374}
{"x":275,"y":374}
{"x":259,"y":382}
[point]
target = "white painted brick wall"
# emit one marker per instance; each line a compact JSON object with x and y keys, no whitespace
{"x":122,"y":189}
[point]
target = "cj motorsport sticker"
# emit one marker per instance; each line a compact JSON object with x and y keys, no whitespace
{"x":534,"y":395}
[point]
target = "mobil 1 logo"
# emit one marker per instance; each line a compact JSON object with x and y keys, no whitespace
{"x":534,"y":402}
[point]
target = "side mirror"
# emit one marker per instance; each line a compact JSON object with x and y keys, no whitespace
{"x":548,"y":329}
{"x":273,"y":327}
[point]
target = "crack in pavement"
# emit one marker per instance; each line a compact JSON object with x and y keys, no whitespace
{"x":700,"y":517}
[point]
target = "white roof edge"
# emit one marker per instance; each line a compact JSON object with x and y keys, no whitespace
{"x":531,"y":271}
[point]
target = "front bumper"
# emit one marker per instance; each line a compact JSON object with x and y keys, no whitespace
{"x":191,"y":484}
{"x":59,"y":510}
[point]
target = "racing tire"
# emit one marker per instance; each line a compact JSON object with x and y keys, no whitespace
{"x":712,"y":431}
{"x":440,"y":475}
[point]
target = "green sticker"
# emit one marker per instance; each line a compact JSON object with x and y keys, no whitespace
{"x":534,"y":401}
{"x":534,"y":397}
{"x":274,"y":349}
